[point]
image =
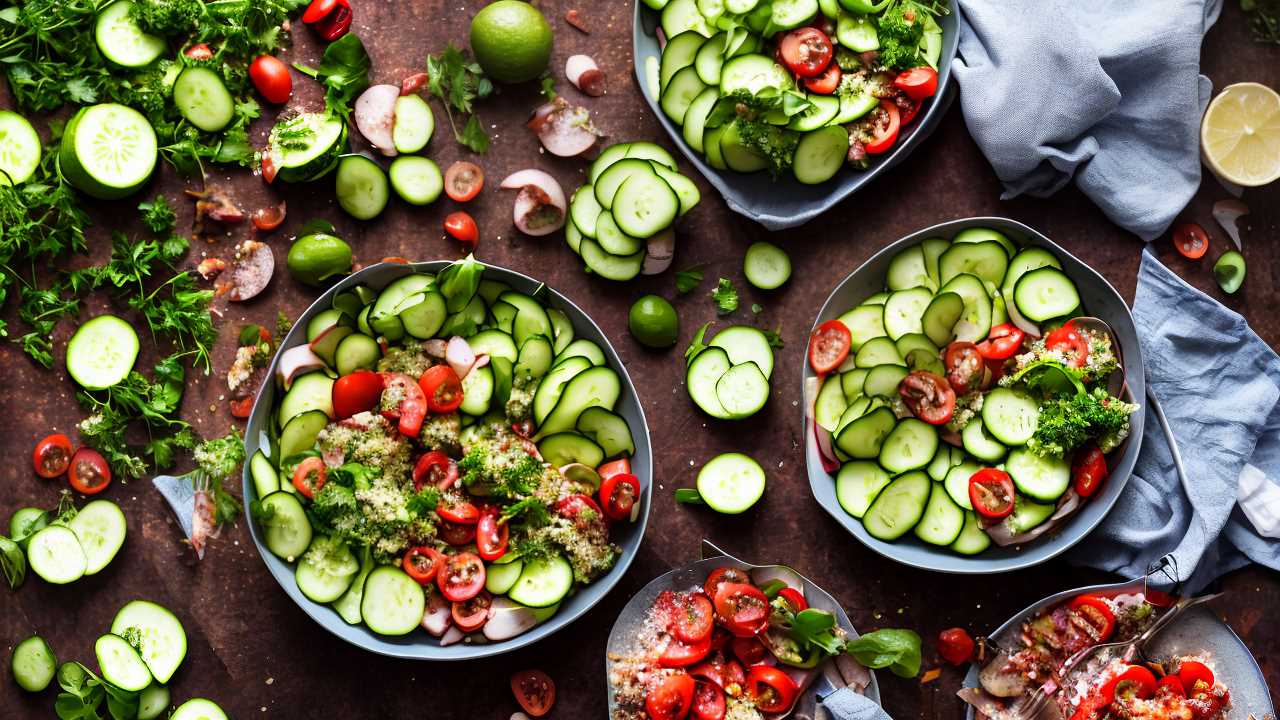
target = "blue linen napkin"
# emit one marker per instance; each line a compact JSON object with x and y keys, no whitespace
{"x":1107,"y":92}
{"x":845,"y":704}
{"x":1219,"y":385}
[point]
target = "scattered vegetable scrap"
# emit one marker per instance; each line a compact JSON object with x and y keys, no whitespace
{"x":574,"y":18}
{"x":540,"y":206}
{"x":585,"y":75}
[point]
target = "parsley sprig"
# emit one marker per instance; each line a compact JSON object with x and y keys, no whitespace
{"x":459,"y":82}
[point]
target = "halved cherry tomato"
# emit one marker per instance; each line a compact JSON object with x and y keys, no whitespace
{"x":918,"y":83}
{"x":806,"y":51}
{"x":1071,"y":342}
{"x":991,"y":492}
{"x":356,"y":392}
{"x":1196,"y":677}
{"x":794,"y":599}
{"x":271,"y":78}
{"x":456,"y":510}
{"x":535,"y":691}
{"x":331,"y":18}
{"x":463,"y":181}
{"x":268,"y":167}
{"x":443,"y":389}
{"x":1097,"y":613}
{"x":1171,"y":685}
{"x":1191,"y":240}
{"x":462,"y":577}
{"x":770,"y":689}
{"x":199,"y":52}
{"x":708,"y":701}
{"x":671,"y":698}
{"x":720,"y":639}
{"x":1002,"y":343}
{"x":242,"y":408}
{"x":1135,"y":681}
{"x":1088,"y":470}
{"x":434,"y":468}
{"x":492,"y":535}
{"x":269,"y":218}
{"x":829,"y":346}
{"x":318,"y":10}
{"x":827,"y":82}
{"x":470,"y":615}
{"x":907,"y":109}
{"x":692,"y":617}
{"x":309,"y":476}
{"x":743,"y":608}
{"x":749,"y":650}
{"x":734,"y":675}
{"x":412,"y":407}
{"x":618,"y":495}
{"x":422,"y":564}
{"x":582,"y":510}
{"x":621,"y":466}
{"x":885,"y":124}
{"x":928,"y":396}
{"x":679,"y":653}
{"x":965,"y":367}
{"x":955,"y":646}
{"x":88,"y":472}
{"x":725,"y":574}
{"x":52,"y":455}
{"x":456,"y":534}
{"x":462,"y":227}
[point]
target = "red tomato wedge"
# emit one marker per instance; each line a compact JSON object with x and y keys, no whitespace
{"x":928,"y":396}
{"x":965,"y":366}
{"x":442,"y":388}
{"x":621,"y":466}
{"x":884,"y":128}
{"x":825,"y":83}
{"x":470,"y":615}
{"x":422,"y":564}
{"x":271,"y":78}
{"x":1088,"y":470}
{"x":462,"y":227}
{"x":434,"y":468}
{"x":743,"y":609}
{"x":1002,"y":343}
{"x":955,"y":646}
{"x":1071,"y":342}
{"x":309,"y":476}
{"x":708,"y":701}
{"x":618,"y":495}
{"x":356,"y":393}
{"x":806,"y":51}
{"x":411,"y":409}
{"x":670,"y":698}
{"x":463,"y":181}
{"x":1097,"y":613}
{"x":918,"y":83}
{"x":679,"y":653}
{"x":829,"y":346}
{"x":52,"y":456}
{"x":770,"y":689}
{"x":1196,"y":677}
{"x":462,"y":577}
{"x":723,"y":575}
{"x":535,"y":691}
{"x":991,"y":492}
{"x":692,"y":617}
{"x":492,"y":535}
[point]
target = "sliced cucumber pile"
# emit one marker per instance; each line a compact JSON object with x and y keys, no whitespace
{"x":306,"y":146}
{"x":620,"y":221}
{"x":79,"y":543}
{"x":728,"y":378}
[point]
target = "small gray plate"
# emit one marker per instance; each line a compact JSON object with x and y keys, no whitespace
{"x":1101,"y":300}
{"x":419,"y":645}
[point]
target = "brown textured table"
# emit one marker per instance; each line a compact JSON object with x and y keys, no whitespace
{"x":253,"y":651}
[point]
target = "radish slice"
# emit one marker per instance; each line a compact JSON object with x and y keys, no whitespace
{"x":460,"y":356}
{"x":533,"y":176}
{"x":585,"y":75}
{"x":252,"y":271}
{"x":376,"y":115}
{"x":438,"y":616}
{"x":508,"y":619}
{"x":565,"y":130}
{"x":660,"y":250}
{"x":481,"y":360}
{"x":540,"y":208}
{"x":769,"y":573}
{"x":296,"y":361}
{"x":451,"y":636}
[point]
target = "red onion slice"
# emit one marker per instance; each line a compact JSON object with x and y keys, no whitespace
{"x":460,"y":356}
{"x":296,"y":361}
{"x":540,"y":207}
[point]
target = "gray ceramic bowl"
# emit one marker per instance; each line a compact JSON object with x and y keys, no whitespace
{"x":1100,"y":300}
{"x":1198,"y":632}
{"x":418,"y":644}
{"x":785,"y":202}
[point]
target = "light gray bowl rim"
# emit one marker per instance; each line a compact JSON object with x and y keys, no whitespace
{"x":418,"y":645}
{"x":1095,"y":290}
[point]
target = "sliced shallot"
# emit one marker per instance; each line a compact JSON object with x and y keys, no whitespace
{"x":460,"y":356}
{"x":252,"y":272}
{"x":540,"y":206}
{"x":375,"y":113}
{"x":565,"y":130}
{"x":1227,"y":213}
{"x":294,"y":362}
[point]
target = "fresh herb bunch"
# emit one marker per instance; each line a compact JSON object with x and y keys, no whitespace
{"x":459,"y":82}
{"x":218,"y":461}
{"x":1067,"y":423}
{"x":775,"y":144}
{"x":725,"y":296}
{"x":901,"y":27}
{"x":151,"y":405}
{"x":344,"y":72}
{"x":1264,"y":19}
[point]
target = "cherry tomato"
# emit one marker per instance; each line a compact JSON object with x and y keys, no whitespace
{"x":413,"y":83}
{"x":269,"y":218}
{"x":618,"y":495}
{"x":806,"y":51}
{"x":271,"y":78}
{"x":535,"y":691}
{"x":1088,"y":470}
{"x":463,"y":181}
{"x":434,"y":468}
{"x":955,"y":646}
{"x":582,"y":510}
{"x":268,"y":167}
{"x":422,"y":564}
{"x":492,"y":535}
{"x":462,"y":227}
{"x":708,"y":701}
{"x":1135,"y":681}
{"x":356,"y":392}
{"x":242,"y":408}
{"x":749,"y":650}
{"x":907,"y":109}
{"x":411,"y":409}
{"x":918,"y":83}
{"x":885,"y":124}
{"x":456,"y":510}
{"x":734,"y":675}
{"x":88,"y":472}
{"x":743,"y":608}
{"x":199,"y":52}
{"x":471,"y":615}
{"x":330,"y":18}
{"x":1002,"y":343}
{"x":1071,"y":342}
{"x":309,"y":476}
{"x":928,"y":396}
{"x":1196,"y":677}
{"x":456,"y":534}
{"x":827,"y":82}
{"x":794,"y":599}
{"x":770,"y":689}
{"x":1171,"y":685}
{"x":442,"y":388}
{"x":692,"y":617}
{"x":991,"y":492}
{"x":679,"y":653}
{"x":671,"y":698}
{"x":621,"y":466}
{"x":1097,"y":613}
{"x":52,"y":456}
{"x":965,"y":367}
{"x":721,"y":575}
{"x":1191,"y":240}
{"x":829,"y":346}
{"x":318,"y":10}
{"x":461,"y":577}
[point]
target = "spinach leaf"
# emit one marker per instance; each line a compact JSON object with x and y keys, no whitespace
{"x":893,"y":648}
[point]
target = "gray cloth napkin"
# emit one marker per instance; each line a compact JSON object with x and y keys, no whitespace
{"x":1219,"y":384}
{"x":1107,"y":92}
{"x":181,"y":496}
{"x":845,"y":704}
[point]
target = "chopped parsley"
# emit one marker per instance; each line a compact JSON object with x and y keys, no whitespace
{"x":725,"y":297}
{"x":1066,"y":424}
{"x":459,"y":82}
{"x":688,"y":279}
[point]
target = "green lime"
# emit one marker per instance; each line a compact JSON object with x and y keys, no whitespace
{"x":653,"y":322}
{"x":511,"y":41}
{"x":315,"y":258}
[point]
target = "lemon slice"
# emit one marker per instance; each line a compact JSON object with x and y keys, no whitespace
{"x":1240,"y":134}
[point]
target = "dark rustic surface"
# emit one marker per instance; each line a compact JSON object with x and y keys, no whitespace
{"x":253,"y":651}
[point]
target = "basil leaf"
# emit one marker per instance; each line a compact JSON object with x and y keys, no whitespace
{"x":13,"y":562}
{"x":893,"y":648}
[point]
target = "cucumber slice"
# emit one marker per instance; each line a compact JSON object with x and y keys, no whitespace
{"x":393,"y":604}
{"x":864,"y":322}
{"x":108,"y":151}
{"x":980,"y":235}
{"x":422,"y":315}
{"x":584,"y":210}
{"x":857,"y":485}
{"x":501,"y":576}
{"x":582,"y":348}
{"x":547,"y":396}
{"x":324,"y":320}
{"x":854,"y":106}
{"x":120,"y":664}
{"x":477,"y":391}
{"x":933,"y":249}
{"x":561,"y":329}
{"x":357,"y":352}
{"x":306,"y":146}
{"x":942,"y":521}
{"x":573,"y":238}
{"x":265,"y":478}
{"x":904,"y":311}
{"x":737,"y":155}
{"x":883,"y":380}
{"x":821,"y":111}
{"x":1041,"y":478}
{"x":908,"y":269}
{"x":543,"y":582}
{"x":644,"y":205}
{"x":361,"y":187}
{"x":909,"y":446}
{"x":609,"y":430}
{"x":33,"y":664}
{"x":607,"y":158}
{"x":746,"y":344}
{"x":972,"y":539}
{"x":957,"y":483}
{"x":741,"y":7}
{"x":535,"y":357}
{"x":940,"y":317}
{"x":975,"y":321}
{"x":851,"y":382}
{"x":153,"y":701}
{"x":596,"y":387}
{"x":494,"y":343}
{"x":652,"y":152}
{"x":898,"y":507}
{"x":678,"y":93}
{"x":915,"y":341}
{"x":287,"y":532}
{"x":731,"y":483}
{"x":122,"y":41}
{"x":830,"y":404}
{"x":414,"y":124}
{"x":863,"y":437}
{"x":979,"y":443}
{"x":203,"y":99}
{"x":101,"y":352}
{"x":54,"y":554}
{"x":987,"y":260}
{"x":325,"y":572}
{"x":417,"y":180}
{"x":940,"y":465}
{"x":710,"y":57}
{"x":1045,"y":293}
{"x":564,"y":448}
{"x":711,"y":146}
{"x":878,"y":351}
{"x":680,"y":53}
{"x":101,"y":529}
{"x":754,"y":73}
{"x":742,"y":390}
{"x":857,"y":32}
{"x":619,"y":268}
{"x":701,"y":379}
{"x":788,"y":14}
{"x":19,"y":149}
{"x":611,"y":180}
{"x":1009,"y":416}
{"x":1027,"y":259}
{"x":612,"y":239}
{"x":198,"y":709}
{"x":163,"y":640}
{"x":679,"y":16}
{"x":820,"y":154}
{"x":684,"y":188}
